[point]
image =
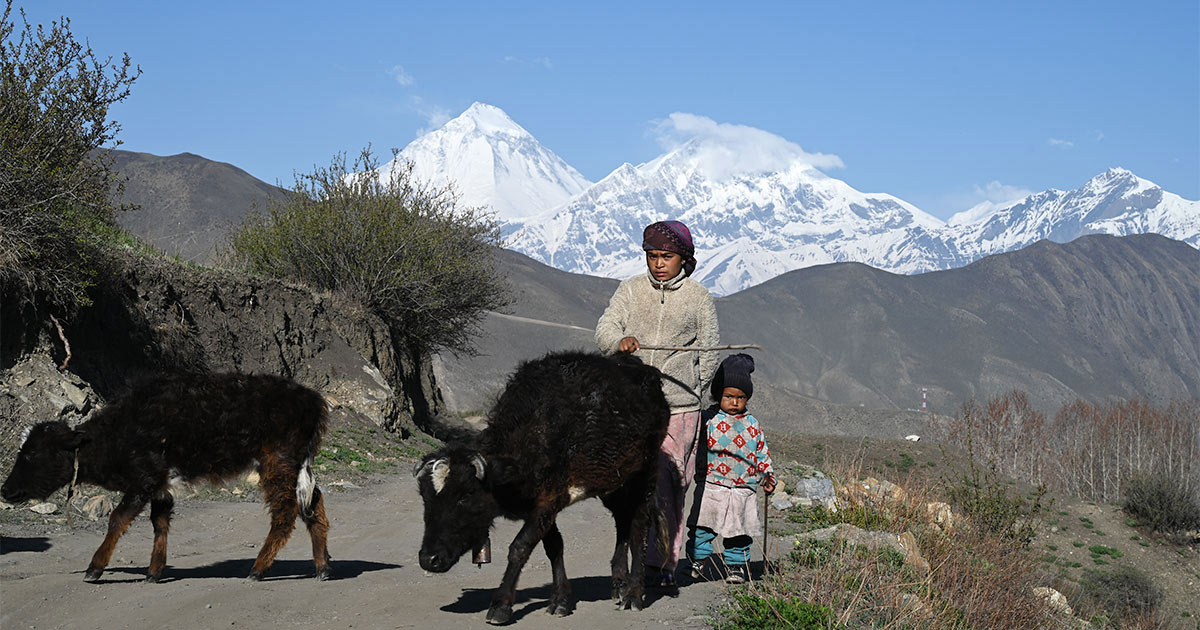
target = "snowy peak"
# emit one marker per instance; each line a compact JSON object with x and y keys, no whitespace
{"x":1114,"y":202}
{"x":485,"y":119}
{"x":492,"y":162}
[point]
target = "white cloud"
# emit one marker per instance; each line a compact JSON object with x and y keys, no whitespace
{"x":435,"y":115}
{"x":998,"y":193}
{"x":723,"y":149}
{"x":543,"y":62}
{"x":984,"y":201}
{"x":1099,"y":136}
{"x":401,"y":76}
{"x":1062,"y":144}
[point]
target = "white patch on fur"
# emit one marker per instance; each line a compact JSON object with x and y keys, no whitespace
{"x":24,"y":436}
{"x":305,"y":483}
{"x":576,"y":494}
{"x":176,"y":484}
{"x":441,"y":470}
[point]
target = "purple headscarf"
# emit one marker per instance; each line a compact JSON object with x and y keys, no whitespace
{"x":671,"y":236}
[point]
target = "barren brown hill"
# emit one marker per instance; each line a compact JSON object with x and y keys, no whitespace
{"x":187,"y":203}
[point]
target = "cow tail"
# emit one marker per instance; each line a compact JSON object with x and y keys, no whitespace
{"x":306,"y":483}
{"x":658,"y":525}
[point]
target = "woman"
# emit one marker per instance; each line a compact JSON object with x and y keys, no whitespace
{"x":665,"y":307}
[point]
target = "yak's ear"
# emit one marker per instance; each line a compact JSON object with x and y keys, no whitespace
{"x":501,"y":471}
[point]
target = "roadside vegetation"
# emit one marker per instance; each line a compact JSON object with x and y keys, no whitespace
{"x":1097,"y":503}
{"x":57,"y":217}
{"x":408,"y":251}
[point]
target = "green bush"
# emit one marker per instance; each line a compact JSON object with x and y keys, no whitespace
{"x":750,"y":612}
{"x":988,"y":501}
{"x":405,"y":250}
{"x":56,"y":181}
{"x":1161,"y":502}
{"x":1124,"y":592}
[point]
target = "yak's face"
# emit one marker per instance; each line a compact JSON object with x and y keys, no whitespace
{"x":44,"y":464}
{"x":459,"y":508}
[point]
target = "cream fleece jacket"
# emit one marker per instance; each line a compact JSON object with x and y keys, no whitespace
{"x":677,"y":312}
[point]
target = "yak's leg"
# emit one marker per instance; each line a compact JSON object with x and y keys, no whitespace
{"x":160,"y":515}
{"x":642,"y":488}
{"x":560,"y":592}
{"x":532,"y":531}
{"x":619,"y":504}
{"x":130,"y":506}
{"x":318,"y":530}
{"x":279,"y":487}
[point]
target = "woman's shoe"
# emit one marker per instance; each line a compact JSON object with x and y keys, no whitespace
{"x":659,"y":578}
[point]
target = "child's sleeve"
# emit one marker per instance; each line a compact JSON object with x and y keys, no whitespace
{"x":611,"y":327}
{"x":762,"y":454}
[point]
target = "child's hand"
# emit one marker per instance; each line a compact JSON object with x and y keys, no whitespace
{"x":769,"y":484}
{"x":629,"y":344}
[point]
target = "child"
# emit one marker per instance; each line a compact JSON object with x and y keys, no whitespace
{"x":738,"y":462}
{"x":666,"y":307}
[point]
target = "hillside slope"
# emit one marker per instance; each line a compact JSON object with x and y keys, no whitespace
{"x":187,"y":203}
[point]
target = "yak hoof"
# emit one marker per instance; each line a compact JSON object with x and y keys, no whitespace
{"x":254,"y":576}
{"x":153,"y":579}
{"x":560,"y":609}
{"x":93,"y":575}
{"x":619,"y":587}
{"x":633,"y":600}
{"x":324,"y":573}
{"x":499,"y":615}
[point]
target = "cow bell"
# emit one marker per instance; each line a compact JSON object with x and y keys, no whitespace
{"x":483,"y":554}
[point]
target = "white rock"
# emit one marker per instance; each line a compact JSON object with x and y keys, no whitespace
{"x":1055,"y":600}
{"x":912,"y":438}
{"x":45,"y":508}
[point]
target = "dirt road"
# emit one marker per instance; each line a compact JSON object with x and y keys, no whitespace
{"x":377,"y":582}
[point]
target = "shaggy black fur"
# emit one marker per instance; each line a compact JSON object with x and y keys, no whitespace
{"x":193,"y":427}
{"x":567,"y":426}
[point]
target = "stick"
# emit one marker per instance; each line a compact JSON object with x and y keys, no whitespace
{"x":703,"y":348}
{"x":766,"y":532}
{"x":66,"y":344}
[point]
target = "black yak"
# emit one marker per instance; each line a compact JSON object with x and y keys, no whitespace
{"x":567,"y":427}
{"x":187,"y":428}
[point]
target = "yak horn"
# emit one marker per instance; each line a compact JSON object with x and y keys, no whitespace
{"x":477,"y":460}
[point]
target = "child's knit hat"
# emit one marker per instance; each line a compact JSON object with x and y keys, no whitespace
{"x":734,"y":372}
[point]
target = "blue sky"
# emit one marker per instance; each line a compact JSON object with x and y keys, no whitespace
{"x":942,"y":104}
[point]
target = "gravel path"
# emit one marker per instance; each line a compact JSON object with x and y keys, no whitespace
{"x":377,"y":583}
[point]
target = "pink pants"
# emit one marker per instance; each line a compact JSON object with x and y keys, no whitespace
{"x":676,"y":463}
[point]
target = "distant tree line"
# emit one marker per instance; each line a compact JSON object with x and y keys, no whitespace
{"x":1088,"y":450}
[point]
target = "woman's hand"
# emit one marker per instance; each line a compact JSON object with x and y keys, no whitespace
{"x":629,"y":344}
{"x":769,"y":484}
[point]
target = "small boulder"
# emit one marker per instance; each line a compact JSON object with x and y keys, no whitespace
{"x":1055,"y":600}
{"x":905,"y":543}
{"x":44,"y":508}
{"x":97,"y":507}
{"x":940,"y":515}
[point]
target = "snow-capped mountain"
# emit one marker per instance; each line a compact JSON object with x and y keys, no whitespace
{"x":748,"y":227}
{"x":492,"y":161}
{"x":753,"y":224}
{"x":1114,"y":202}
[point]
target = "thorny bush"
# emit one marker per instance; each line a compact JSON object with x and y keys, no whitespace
{"x":405,"y":249}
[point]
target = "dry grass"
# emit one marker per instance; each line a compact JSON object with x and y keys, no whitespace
{"x":977,"y":579}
